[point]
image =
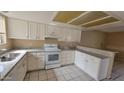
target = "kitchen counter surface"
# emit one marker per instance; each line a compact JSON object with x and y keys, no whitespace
{"x":6,"y":67}
{"x":92,"y":54}
{"x":89,"y":53}
{"x":32,"y":49}
{"x":37,"y":50}
{"x":67,"y":48}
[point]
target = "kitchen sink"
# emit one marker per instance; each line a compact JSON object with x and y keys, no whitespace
{"x":9,"y":57}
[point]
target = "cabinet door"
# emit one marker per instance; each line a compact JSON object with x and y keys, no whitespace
{"x":33,"y":30}
{"x":41,"y":32}
{"x":67,"y":57}
{"x":62,"y":36}
{"x":93,"y":65}
{"x":17,"y":28}
{"x":32,"y":61}
{"x":67,"y":32}
{"x":12,"y":76}
{"x":75,"y":35}
{"x":70,"y":55}
{"x":78,"y":36}
{"x":22,"y":69}
{"x":40,"y":57}
{"x":35,"y":61}
{"x":2,"y":24}
{"x":80,"y":60}
{"x":58,"y":32}
{"x":50,"y":31}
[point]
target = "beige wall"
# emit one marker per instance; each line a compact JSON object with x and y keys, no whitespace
{"x":94,"y":39}
{"x":8,"y":45}
{"x":115,"y":41}
{"x":18,"y":43}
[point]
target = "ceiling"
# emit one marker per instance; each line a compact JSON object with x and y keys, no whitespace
{"x":107,"y":21}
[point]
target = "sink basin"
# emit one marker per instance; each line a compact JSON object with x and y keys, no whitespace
{"x":9,"y":57}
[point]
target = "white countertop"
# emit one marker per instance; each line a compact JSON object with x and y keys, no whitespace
{"x":93,"y":54}
{"x":5,"y":67}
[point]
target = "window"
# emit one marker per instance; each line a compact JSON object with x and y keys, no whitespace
{"x":2,"y":30}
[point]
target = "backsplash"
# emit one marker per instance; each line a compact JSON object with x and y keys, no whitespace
{"x":8,"y":45}
{"x":67,"y":44}
{"x":18,"y":43}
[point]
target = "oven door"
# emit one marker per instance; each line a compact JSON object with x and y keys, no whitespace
{"x":52,"y":58}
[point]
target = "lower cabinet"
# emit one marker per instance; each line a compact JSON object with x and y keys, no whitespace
{"x":67,"y":57}
{"x":35,"y":61}
{"x":96,"y":67}
{"x":18,"y":72}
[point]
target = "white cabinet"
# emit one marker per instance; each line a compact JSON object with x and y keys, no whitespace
{"x":94,"y":66}
{"x":53,"y":31}
{"x":50,"y":31}
{"x":63,"y":34}
{"x":20,"y":29}
{"x":41,"y":31}
{"x":2,"y":24}
{"x":3,"y":39}
{"x":75,"y":35}
{"x":67,"y":57}
{"x":32,"y":31}
{"x":35,"y":61}
{"x":18,"y":72}
{"x":80,"y":60}
{"x":36,"y":31}
{"x":72,"y":35}
{"x":17,"y":28}
{"x":22,"y":69}
{"x":67,"y":34}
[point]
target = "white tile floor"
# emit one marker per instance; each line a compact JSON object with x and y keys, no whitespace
{"x":117,"y":72}
{"x":72,"y":73}
{"x":66,"y":73}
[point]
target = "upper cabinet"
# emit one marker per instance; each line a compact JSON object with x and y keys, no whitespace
{"x":3,"y":39}
{"x":72,"y":35}
{"x":76,"y":35}
{"x":17,"y":28}
{"x":20,"y":29}
{"x":41,"y":31}
{"x":36,"y":31}
{"x":32,"y":34}
{"x":53,"y":31}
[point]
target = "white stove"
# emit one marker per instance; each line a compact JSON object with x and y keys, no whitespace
{"x":52,"y":56}
{"x":51,"y":47}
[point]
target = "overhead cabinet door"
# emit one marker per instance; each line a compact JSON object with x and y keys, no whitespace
{"x":33,"y":27}
{"x":53,"y":31}
{"x":75,"y":35}
{"x":41,"y":31}
{"x":50,"y":31}
{"x":66,"y":34}
{"x":17,"y":28}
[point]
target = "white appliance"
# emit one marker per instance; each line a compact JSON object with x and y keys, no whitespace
{"x":52,"y":56}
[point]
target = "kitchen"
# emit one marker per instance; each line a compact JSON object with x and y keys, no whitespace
{"x":61,"y":46}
